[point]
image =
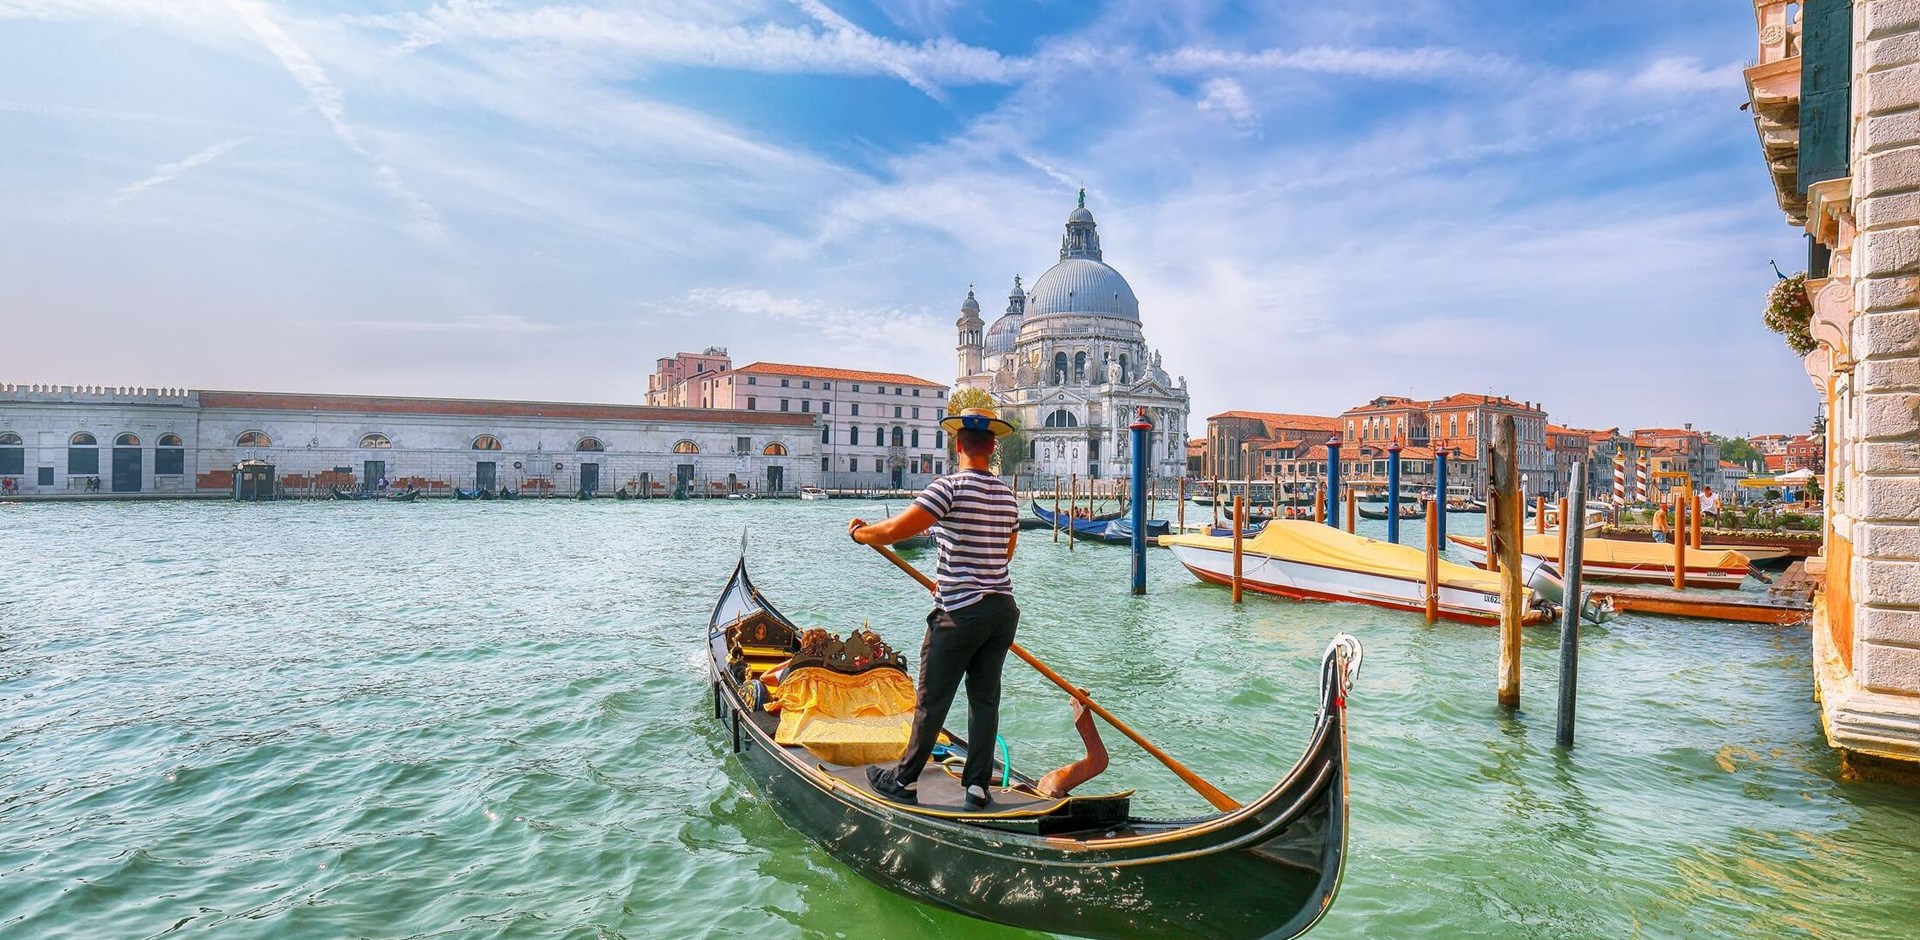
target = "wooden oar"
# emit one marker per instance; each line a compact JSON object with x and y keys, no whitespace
{"x":1220,"y":800}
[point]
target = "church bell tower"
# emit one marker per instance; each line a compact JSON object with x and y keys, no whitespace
{"x":972,"y":336}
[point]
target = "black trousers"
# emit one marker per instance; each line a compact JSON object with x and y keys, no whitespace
{"x":969,"y":643}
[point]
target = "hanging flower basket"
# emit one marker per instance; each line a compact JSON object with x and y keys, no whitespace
{"x":1789,"y":311}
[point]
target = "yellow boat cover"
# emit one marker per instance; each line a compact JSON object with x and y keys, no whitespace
{"x":846,"y":719}
{"x":1315,"y":543}
{"x":1622,"y":552}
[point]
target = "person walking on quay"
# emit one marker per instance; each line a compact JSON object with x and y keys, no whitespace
{"x":974,"y":616}
{"x":1660,"y":526}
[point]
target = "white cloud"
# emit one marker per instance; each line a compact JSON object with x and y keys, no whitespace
{"x":1420,"y":63}
{"x":168,"y":172}
{"x":424,"y":219}
{"x":483,"y":324}
{"x":1227,"y":98}
{"x":1685,"y":75}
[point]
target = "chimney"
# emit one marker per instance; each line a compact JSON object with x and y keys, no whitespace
{"x":1688,"y":425}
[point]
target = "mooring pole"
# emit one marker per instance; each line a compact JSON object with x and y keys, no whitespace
{"x":1571,"y":558}
{"x":1216,"y":500}
{"x":1540,"y":514}
{"x":1073,"y":497}
{"x":1239,"y":532}
{"x":1320,"y":505}
{"x":1056,"y":507}
{"x":1352,"y":509}
{"x":1679,"y":540}
{"x":1393,"y":492}
{"x":1332,"y":488}
{"x":1440,"y":490}
{"x":1693,"y":538}
{"x":1433,"y":563}
{"x":1563,"y":529}
{"x":1180,"y":502}
{"x":1507,"y":535}
{"x":1142,"y":429}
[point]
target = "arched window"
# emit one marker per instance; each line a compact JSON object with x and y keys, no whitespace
{"x":774,"y":450}
{"x":899,"y":437}
{"x":83,"y":453}
{"x":1060,"y":368}
{"x":486,"y":442}
{"x":170,"y":456}
{"x":916,"y":437}
{"x":127,"y":440}
{"x":686,"y":447}
{"x":589,"y":444}
{"x":375,"y":440}
{"x":1062,"y":418}
{"x":13,"y":455}
{"x":1080,"y":367}
{"x":853,"y":435}
{"x":253,"y":439}
{"x":1125,"y":372}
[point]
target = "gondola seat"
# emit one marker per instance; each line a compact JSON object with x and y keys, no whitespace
{"x":848,"y":702}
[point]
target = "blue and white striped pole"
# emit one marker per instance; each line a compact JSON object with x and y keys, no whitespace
{"x":1142,"y":429}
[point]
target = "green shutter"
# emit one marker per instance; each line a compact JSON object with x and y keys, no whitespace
{"x":1826,"y":90}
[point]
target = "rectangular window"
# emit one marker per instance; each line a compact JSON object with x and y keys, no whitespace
{"x":856,"y":386}
{"x":83,"y":460}
{"x":806,"y":406}
{"x":824,"y":465}
{"x":879,"y":465}
{"x":743,"y":445}
{"x":783,"y":383}
{"x":46,"y":476}
{"x":826,"y":407}
{"x":13,"y":462}
{"x":896,"y":411}
{"x":806,"y":383}
{"x":853,"y":465}
{"x":783,"y":404}
{"x":916,"y":393}
{"x":750,"y":404}
{"x":896,"y":389}
{"x":916,"y":414}
{"x":942,"y":393}
{"x":167,"y":461}
{"x":753,"y":380}
{"x":940,"y":466}
{"x":856,"y":409}
{"x":826,"y":386}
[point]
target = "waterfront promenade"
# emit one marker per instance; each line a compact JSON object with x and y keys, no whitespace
{"x":491,"y":719}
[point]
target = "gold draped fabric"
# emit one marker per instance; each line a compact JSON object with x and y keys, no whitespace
{"x":846,"y":719}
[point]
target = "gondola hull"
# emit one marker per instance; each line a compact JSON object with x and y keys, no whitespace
{"x":1269,"y":869}
{"x":1113,"y":529}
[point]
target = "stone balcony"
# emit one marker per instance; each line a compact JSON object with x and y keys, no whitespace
{"x":1773,"y":93}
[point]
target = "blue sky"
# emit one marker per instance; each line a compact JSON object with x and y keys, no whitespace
{"x":1316,"y":203}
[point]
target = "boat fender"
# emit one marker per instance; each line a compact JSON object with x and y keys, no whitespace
{"x":736,"y":732}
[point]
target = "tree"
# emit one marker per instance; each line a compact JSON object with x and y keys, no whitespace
{"x":1738,"y":450}
{"x":1011,"y":452}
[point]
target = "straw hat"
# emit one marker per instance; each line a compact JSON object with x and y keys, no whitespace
{"x":976,"y":419}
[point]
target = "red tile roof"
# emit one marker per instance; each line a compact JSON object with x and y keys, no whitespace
{"x":490,"y":408}
{"x":1304,"y":422}
{"x":1463,"y":399}
{"x":828,"y":372}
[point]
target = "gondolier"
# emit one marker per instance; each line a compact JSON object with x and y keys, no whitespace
{"x":974,"y":617}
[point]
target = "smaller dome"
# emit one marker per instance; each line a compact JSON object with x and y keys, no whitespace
{"x":1079,"y":214}
{"x":1003,"y":333}
{"x":970,"y":305}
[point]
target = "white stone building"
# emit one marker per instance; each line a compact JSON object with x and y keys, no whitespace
{"x":1068,"y":363}
{"x":55,"y":439}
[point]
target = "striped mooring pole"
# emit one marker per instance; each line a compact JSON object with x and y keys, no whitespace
{"x":1619,"y":479}
{"x":1643,"y":468}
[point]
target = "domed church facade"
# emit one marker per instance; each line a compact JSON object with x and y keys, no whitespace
{"x":1068,"y":363}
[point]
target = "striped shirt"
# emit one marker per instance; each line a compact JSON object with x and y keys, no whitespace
{"x":977,"y":516}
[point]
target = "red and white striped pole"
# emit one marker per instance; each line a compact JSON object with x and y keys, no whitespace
{"x":1619,"y":479}
{"x":1642,"y":470}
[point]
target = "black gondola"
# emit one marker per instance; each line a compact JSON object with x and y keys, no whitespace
{"x":1042,"y":518}
{"x":1406,"y":512}
{"x":407,"y":497}
{"x":504,"y":494}
{"x":1076,"y":865}
{"x":339,"y":493}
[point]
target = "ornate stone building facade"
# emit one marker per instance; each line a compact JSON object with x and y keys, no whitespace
{"x":1069,"y":364}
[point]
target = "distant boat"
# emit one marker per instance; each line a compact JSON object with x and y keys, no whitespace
{"x":1107,"y":528}
{"x":407,"y":497}
{"x":1305,"y":560}
{"x":811,"y":492}
{"x":1406,"y":512}
{"x":1043,"y":518}
{"x":339,"y":493}
{"x":503,"y":494}
{"x":1614,"y":560}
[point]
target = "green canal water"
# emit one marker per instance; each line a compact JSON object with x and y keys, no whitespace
{"x":491,"y":720}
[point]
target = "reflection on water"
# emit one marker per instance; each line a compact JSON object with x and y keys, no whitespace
{"x":490,"y":719}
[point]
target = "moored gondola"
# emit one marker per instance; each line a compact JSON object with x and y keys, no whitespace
{"x":1043,"y":518}
{"x":1078,"y":865}
{"x":1406,"y":512}
{"x":339,"y":493}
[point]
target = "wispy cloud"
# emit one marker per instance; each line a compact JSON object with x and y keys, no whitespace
{"x":1227,"y":98}
{"x":486,"y":324}
{"x":168,"y":172}
{"x":1364,"y":62}
{"x":424,"y":219}
{"x":1685,"y":75}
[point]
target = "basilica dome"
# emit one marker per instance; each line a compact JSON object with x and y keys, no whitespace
{"x":1082,"y":285}
{"x":1001,"y":335}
